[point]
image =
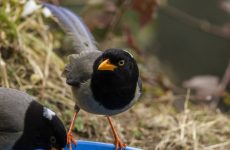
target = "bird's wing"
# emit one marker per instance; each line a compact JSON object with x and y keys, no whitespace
{"x":80,"y":67}
{"x":13,"y":106}
{"x":73,"y":25}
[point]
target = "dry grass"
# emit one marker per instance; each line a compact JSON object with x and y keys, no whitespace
{"x":29,"y":63}
{"x":27,"y":60}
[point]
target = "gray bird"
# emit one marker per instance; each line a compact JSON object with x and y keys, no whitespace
{"x":27,"y":125}
{"x":104,"y":83}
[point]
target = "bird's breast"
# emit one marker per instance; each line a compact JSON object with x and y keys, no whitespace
{"x":86,"y":100}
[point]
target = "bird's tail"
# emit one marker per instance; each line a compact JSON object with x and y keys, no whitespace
{"x":73,"y":25}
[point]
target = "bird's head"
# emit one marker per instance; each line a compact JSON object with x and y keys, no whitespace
{"x":54,"y":132}
{"x":42,"y":129}
{"x":116,"y":65}
{"x":114,"y":79}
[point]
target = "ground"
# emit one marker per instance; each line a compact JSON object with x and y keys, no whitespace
{"x":32,"y":61}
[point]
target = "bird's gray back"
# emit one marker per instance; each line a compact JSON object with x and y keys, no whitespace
{"x":13,"y":106}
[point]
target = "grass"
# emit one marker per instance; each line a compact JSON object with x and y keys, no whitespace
{"x":28,"y":62}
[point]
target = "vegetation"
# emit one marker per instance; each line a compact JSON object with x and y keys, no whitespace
{"x":34,"y":52}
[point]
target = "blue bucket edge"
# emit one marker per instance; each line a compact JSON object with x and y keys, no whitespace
{"x":86,"y":145}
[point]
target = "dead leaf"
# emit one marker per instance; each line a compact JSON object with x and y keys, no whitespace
{"x":101,"y":18}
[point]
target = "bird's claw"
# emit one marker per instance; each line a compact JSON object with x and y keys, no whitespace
{"x":119,"y":144}
{"x":70,"y":140}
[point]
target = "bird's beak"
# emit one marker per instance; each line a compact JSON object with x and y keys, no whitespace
{"x":106,"y":65}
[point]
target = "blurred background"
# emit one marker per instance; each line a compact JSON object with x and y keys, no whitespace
{"x":182,"y":49}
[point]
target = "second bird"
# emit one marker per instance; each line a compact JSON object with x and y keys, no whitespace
{"x":105,"y":83}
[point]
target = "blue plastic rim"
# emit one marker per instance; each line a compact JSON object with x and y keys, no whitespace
{"x":90,"y":145}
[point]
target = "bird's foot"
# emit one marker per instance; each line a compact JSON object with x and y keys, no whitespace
{"x":70,"y":140}
{"x":119,"y":144}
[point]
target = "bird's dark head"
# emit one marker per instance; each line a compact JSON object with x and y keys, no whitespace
{"x":42,"y":129}
{"x":54,"y":130}
{"x":114,"y":79}
{"x":116,"y":64}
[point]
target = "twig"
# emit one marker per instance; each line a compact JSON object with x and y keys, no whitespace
{"x":47,"y":62}
{"x":222,"y":86}
{"x":185,"y":116}
{"x":226,"y":79}
{"x":217,"y":145}
{"x":124,"y":4}
{"x":194,"y":136}
{"x":200,"y":24}
{"x":4,"y":72}
{"x":118,"y":16}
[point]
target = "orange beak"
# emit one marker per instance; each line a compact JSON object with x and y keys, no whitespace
{"x":106,"y":65}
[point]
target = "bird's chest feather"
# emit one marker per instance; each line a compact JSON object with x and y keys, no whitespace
{"x":86,"y":100}
{"x":113,"y":92}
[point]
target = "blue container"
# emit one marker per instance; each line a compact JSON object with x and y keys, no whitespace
{"x":89,"y":145}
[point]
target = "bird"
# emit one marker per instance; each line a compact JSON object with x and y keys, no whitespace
{"x":26,"y":124}
{"x":102,"y":82}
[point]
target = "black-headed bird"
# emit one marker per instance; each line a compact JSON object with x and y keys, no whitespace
{"x":104,"y":83}
{"x":26,"y":125}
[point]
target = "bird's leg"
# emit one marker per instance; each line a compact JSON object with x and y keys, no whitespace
{"x":117,"y":141}
{"x":70,"y":138}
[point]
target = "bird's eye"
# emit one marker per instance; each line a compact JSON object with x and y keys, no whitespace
{"x":53,"y":139}
{"x":121,"y":62}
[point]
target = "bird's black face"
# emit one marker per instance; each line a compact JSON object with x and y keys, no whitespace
{"x":114,"y":78}
{"x":42,"y":129}
{"x":117,"y":64}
